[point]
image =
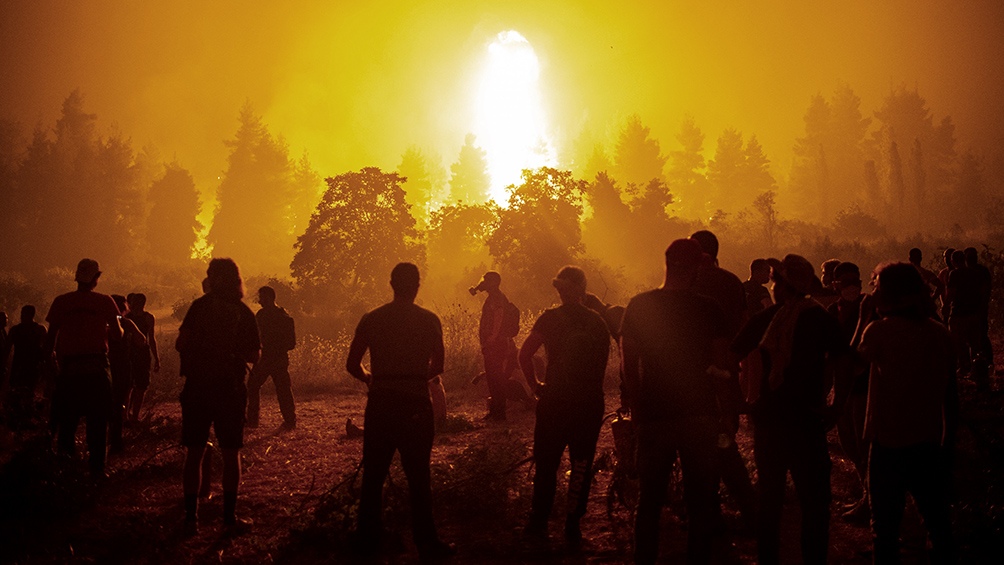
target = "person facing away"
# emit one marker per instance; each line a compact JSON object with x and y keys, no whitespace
{"x":670,"y":339}
{"x":217,"y":340}
{"x":278,"y":337}
{"x":757,"y":296}
{"x":145,"y":355}
{"x":26,"y":344}
{"x":570,"y":410}
{"x":796,"y":339}
{"x":120,"y":360}
{"x":985,"y":279}
{"x":943,"y":277}
{"x":405,"y":342}
{"x":966,"y":290}
{"x":495,"y":344}
{"x":933,"y":282}
{"x":912,"y":413}
{"x":80,"y":324}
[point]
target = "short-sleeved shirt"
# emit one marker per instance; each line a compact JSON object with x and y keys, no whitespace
{"x":28,"y":342}
{"x":492,"y":313}
{"x":674,"y":332}
{"x":577,"y":344}
{"x":727,"y":290}
{"x":221,"y":336}
{"x":801,"y":396}
{"x":271,"y":326}
{"x":911,"y":364}
{"x":965,"y":288}
{"x":82,"y":319}
{"x":402,"y":338}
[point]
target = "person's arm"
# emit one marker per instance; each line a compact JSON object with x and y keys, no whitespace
{"x":438,"y":359}
{"x":153,"y":344}
{"x":354,"y":362}
{"x":526,"y":353}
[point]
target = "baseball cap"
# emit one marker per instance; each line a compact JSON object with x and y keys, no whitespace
{"x":87,"y":271}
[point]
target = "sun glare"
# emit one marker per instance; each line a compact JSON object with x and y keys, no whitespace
{"x":511,"y":126}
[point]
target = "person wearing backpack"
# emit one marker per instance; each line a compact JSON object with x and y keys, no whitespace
{"x":278,"y":337}
{"x":499,"y":325}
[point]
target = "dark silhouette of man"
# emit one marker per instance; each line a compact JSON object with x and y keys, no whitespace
{"x":405,"y":342}
{"x":968,"y":296}
{"x":729,"y":292}
{"x":986,"y":349}
{"x":496,"y":347}
{"x":26,"y":342}
{"x":757,"y":296}
{"x":943,"y":277}
{"x":275,"y":327}
{"x":932,"y":281}
{"x":788,"y":404}
{"x":671,"y":340}
{"x":570,"y":410}
{"x":80,"y":324}
{"x":144,"y":354}
{"x":120,"y":360}
{"x":217,"y":340}
{"x":912,"y":413}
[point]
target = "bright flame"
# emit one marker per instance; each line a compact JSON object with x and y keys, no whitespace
{"x":510,"y":117}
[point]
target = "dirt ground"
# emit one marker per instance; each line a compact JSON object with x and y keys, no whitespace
{"x":299,"y":489}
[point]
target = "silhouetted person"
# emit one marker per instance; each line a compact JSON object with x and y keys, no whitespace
{"x":278,"y":338}
{"x":405,"y":343}
{"x":496,"y":342}
{"x":757,"y":296}
{"x":912,"y":409}
{"x":144,"y":354}
{"x":825,"y":294}
{"x":943,"y":277}
{"x":986,"y":350}
{"x":966,"y":288}
{"x":796,"y":338}
{"x":934,"y":284}
{"x":671,"y":337}
{"x":80,"y":324}
{"x":850,"y":425}
{"x":120,"y":360}
{"x":217,"y":340}
{"x":570,"y":411}
{"x":729,"y":292}
{"x":26,"y":341}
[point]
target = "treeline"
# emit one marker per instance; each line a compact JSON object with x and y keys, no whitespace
{"x":858,"y":186}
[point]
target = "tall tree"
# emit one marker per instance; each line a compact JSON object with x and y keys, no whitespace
{"x":687,"y":172}
{"x":727,"y":171}
{"x":417,"y":184}
{"x":469,"y":180}
{"x":173,"y":225}
{"x":637,"y":156}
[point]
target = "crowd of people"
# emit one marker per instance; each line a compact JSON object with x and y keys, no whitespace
{"x":795,"y":353}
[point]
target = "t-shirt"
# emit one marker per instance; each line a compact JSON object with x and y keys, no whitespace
{"x":965,"y":288}
{"x":490,"y":327}
{"x":271,"y":326}
{"x":801,"y":396}
{"x":28,"y":342}
{"x":912,"y":362}
{"x":81,"y":320}
{"x":402,"y":339}
{"x":756,"y":296}
{"x":221,"y":335}
{"x":674,"y":332}
{"x":727,"y":290}
{"x":140,"y":353}
{"x":577,"y":344}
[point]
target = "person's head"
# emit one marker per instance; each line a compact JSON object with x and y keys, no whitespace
{"x":683,"y":259}
{"x":404,"y":280}
{"x":27,"y":313}
{"x":87,"y":274}
{"x":223,"y":279}
{"x":489,"y":283}
{"x":266,"y":296}
{"x":948,"y":257}
{"x":708,"y":242}
{"x":916,"y":256}
{"x":827,"y":269}
{"x":795,"y":277}
{"x":570,"y":284}
{"x":972,"y":257}
{"x":760,"y":271}
{"x":900,"y":291}
{"x":847,"y":281}
{"x":958,"y":259}
{"x":121,"y":302}
{"x":137,"y":301}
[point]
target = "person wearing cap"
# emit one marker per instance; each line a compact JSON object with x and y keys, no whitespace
{"x":80,"y":324}
{"x":405,"y":342}
{"x":673,"y":343}
{"x":495,"y":345}
{"x":570,"y":410}
{"x":217,"y":340}
{"x":796,"y":340}
{"x":912,"y":414}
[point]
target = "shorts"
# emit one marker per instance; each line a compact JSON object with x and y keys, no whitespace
{"x":224,"y":411}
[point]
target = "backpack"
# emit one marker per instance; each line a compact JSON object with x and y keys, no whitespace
{"x":286,"y":331}
{"x":510,"y":320}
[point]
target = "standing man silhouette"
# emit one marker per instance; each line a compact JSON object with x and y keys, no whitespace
{"x":495,"y":344}
{"x":278,"y":337}
{"x":405,"y":342}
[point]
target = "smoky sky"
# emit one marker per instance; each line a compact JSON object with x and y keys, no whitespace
{"x":356,"y":83}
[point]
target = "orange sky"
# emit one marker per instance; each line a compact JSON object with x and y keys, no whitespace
{"x":355,"y":83}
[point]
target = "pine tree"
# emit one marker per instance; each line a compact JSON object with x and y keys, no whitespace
{"x":637,"y":157}
{"x":469,"y":180}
